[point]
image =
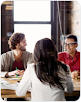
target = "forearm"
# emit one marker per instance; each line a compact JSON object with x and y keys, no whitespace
{"x":24,"y":84}
{"x":3,"y":73}
{"x":69,"y":85}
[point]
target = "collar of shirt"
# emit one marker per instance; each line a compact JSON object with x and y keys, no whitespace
{"x":76,"y":55}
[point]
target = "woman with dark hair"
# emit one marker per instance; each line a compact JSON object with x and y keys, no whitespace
{"x":47,"y":77}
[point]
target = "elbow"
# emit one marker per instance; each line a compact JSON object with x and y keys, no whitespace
{"x":70,"y":86}
{"x":19,"y":94}
{"x":70,"y":89}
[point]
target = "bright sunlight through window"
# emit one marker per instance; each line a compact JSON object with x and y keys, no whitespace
{"x":37,"y":11}
{"x":31,"y":10}
{"x":33,"y":33}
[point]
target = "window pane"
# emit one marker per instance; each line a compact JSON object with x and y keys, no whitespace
{"x":31,"y":10}
{"x":33,"y":33}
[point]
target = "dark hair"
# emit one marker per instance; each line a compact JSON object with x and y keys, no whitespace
{"x":71,"y":36}
{"x":46,"y":64}
{"x":14,"y":39}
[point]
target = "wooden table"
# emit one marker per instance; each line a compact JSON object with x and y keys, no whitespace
{"x":6,"y":93}
{"x":76,"y":92}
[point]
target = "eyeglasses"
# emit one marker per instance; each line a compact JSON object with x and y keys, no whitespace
{"x":70,"y":44}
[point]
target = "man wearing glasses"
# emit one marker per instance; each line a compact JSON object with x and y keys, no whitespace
{"x":71,"y":56}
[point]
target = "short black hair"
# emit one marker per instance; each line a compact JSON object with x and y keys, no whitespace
{"x":72,"y":36}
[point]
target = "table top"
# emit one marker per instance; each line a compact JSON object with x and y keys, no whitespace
{"x":76,"y":83}
{"x":6,"y":93}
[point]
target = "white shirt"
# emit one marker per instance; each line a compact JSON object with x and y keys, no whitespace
{"x":40,"y":91}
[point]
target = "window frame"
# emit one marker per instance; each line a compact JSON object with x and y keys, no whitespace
{"x":55,"y":36}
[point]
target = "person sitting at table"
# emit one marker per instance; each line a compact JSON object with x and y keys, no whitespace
{"x":47,"y":77}
{"x":17,"y":58}
{"x":71,"y":56}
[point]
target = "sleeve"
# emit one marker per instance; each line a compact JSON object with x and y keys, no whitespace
{"x":69,"y":85}
{"x":27,"y":58}
{"x":31,"y":59}
{"x":3,"y":73}
{"x":5,"y":62}
{"x":4,"y":65}
{"x":24,"y":84}
{"x":66,"y":80}
{"x":60,"y":57}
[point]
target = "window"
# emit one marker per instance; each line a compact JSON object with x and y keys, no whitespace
{"x":33,"y":19}
{"x":33,"y":33}
{"x":31,"y":10}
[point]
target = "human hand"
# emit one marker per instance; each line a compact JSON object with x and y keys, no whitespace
{"x":21,"y":72}
{"x":75,"y":74}
{"x":13,"y":73}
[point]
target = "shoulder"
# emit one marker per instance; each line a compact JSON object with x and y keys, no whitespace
{"x":62,"y":64}
{"x":31,"y":65}
{"x":62,"y":53}
{"x":78,"y":52}
{"x":7,"y":53}
{"x":26,"y":53}
{"x":27,"y":56}
{"x":61,"y":56}
{"x":63,"y":68}
{"x":30,"y":68}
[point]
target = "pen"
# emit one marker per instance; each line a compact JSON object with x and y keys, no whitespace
{"x":16,"y":74}
{"x":75,"y":70}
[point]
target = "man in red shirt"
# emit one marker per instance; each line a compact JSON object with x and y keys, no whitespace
{"x":71,"y":56}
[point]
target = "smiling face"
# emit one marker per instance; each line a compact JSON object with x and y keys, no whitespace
{"x":22,"y":45}
{"x":70,"y":46}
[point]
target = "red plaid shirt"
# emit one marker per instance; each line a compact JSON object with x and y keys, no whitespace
{"x":67,"y":59}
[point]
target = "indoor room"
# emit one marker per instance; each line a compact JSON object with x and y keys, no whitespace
{"x":40,"y":34}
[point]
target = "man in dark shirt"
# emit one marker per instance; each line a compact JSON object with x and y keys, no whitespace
{"x":15,"y":62}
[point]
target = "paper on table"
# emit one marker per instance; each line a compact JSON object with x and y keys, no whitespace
{"x":7,"y":85}
{"x":15,"y":78}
